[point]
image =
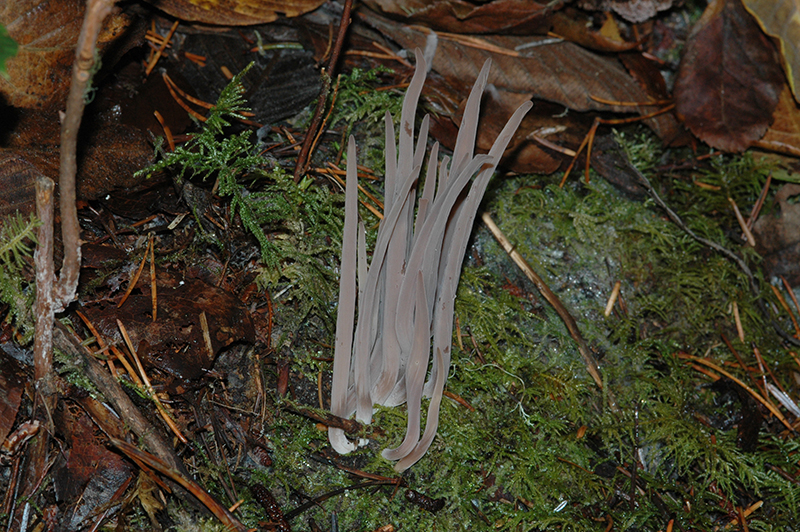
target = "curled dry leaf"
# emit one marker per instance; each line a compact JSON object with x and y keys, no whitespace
{"x":89,"y":472}
{"x":235,"y":12}
{"x":730,"y":79}
{"x":781,"y":20}
{"x":535,"y":67}
{"x":575,"y":26}
{"x":112,"y":151}
{"x":47,"y":31}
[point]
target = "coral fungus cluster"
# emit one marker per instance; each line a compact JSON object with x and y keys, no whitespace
{"x":405,"y":297}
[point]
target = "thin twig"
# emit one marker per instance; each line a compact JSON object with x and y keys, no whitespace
{"x":134,"y":279}
{"x":146,"y":459}
{"x":153,"y":292}
{"x":149,"y":387}
{"x":157,"y":55}
{"x":741,"y":362}
{"x":757,"y":396}
{"x":316,"y":121}
{"x":569,"y":321}
{"x":82,"y":72}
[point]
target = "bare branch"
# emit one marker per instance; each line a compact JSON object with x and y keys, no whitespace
{"x":83,"y":70}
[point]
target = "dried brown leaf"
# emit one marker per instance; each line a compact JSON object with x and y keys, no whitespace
{"x":558,"y":72}
{"x":47,"y":31}
{"x":111,"y":151}
{"x":777,"y":236}
{"x":730,"y":78}
{"x":576,"y":26}
{"x":458,"y":16}
{"x":235,"y":12}
{"x":91,"y":474}
{"x":175,"y":342}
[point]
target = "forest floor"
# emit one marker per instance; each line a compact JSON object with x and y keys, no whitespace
{"x":670,"y":254}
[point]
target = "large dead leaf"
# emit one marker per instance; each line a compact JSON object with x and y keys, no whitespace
{"x":558,"y":76}
{"x":730,"y":78}
{"x":558,"y":72}
{"x":110,"y":152}
{"x":458,"y":16}
{"x":47,"y":31}
{"x":235,"y":12}
{"x":90,"y":474}
{"x":561,"y":72}
{"x":781,"y":20}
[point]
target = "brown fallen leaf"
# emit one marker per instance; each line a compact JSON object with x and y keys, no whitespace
{"x":783,"y":136}
{"x":47,"y":32}
{"x":90,"y":475}
{"x":111,"y":151}
{"x":635,"y":11}
{"x":175,"y":343}
{"x":730,"y":78}
{"x":560,"y":72}
{"x":576,"y":26}
{"x":648,"y":75}
{"x":781,"y":20}
{"x":235,"y":12}
{"x":499,"y":16}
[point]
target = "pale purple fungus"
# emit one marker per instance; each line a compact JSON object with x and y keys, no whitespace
{"x":405,"y":297}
